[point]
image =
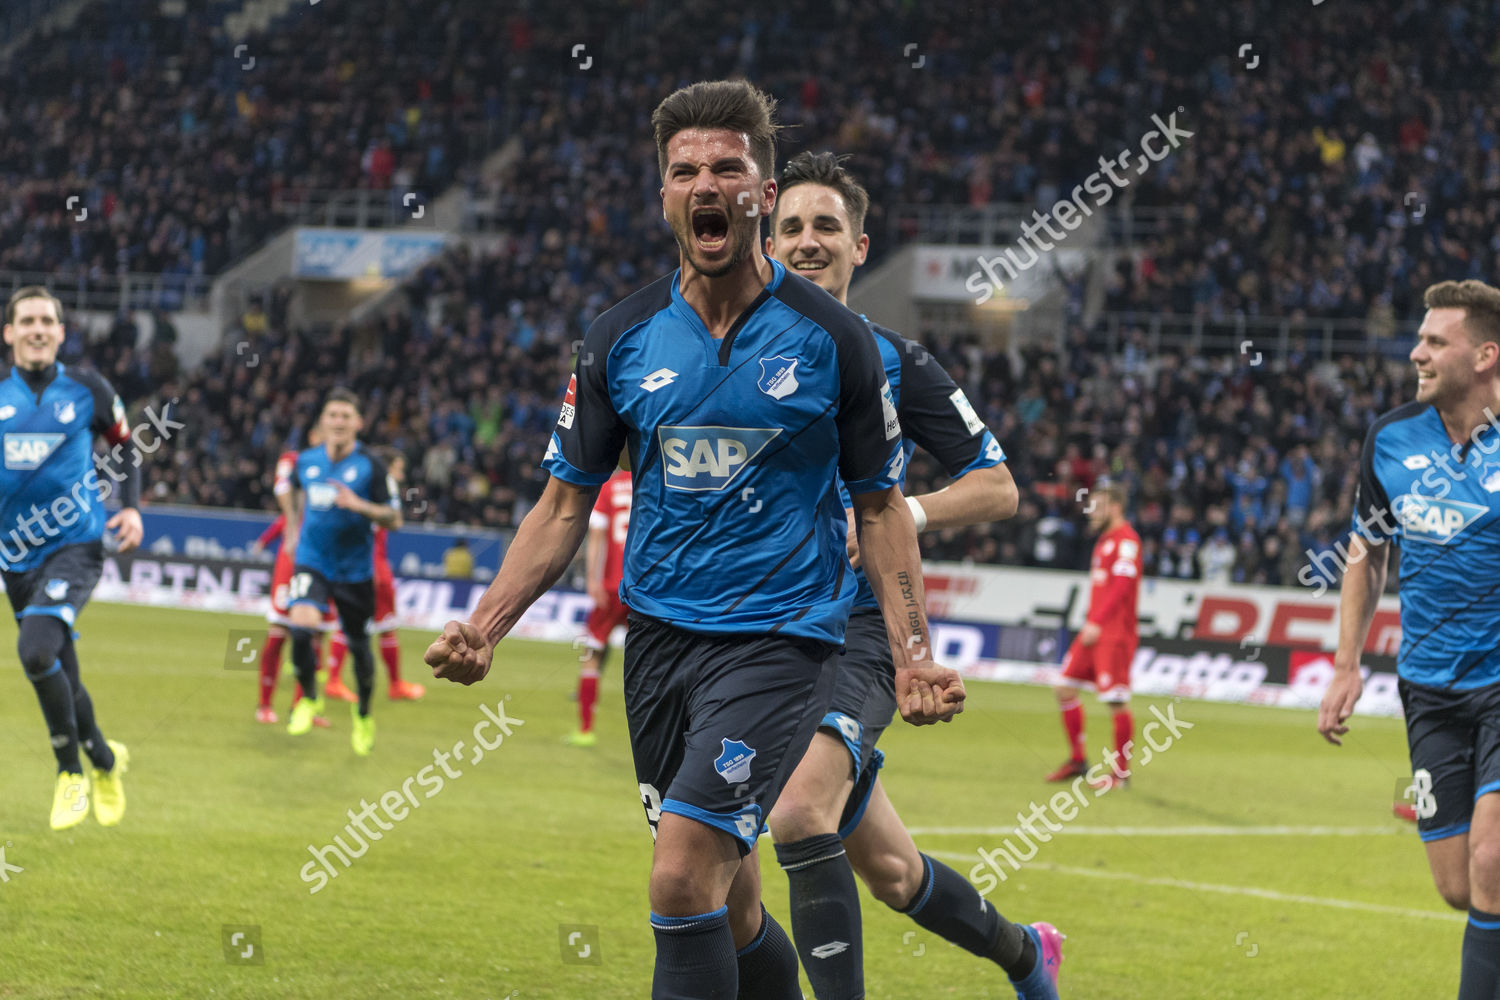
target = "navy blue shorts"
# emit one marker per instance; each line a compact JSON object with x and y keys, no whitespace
{"x":1454,"y":738}
{"x":60,"y":585}
{"x":354,"y":600}
{"x":864,"y":702}
{"x":718,"y":722}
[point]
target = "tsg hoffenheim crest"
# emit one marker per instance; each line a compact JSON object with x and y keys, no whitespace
{"x":733,"y":764}
{"x":778,"y":376}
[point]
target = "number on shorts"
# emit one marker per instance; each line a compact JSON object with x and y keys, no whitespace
{"x":1421,"y":786}
{"x":651,"y":799}
{"x":298,"y":586}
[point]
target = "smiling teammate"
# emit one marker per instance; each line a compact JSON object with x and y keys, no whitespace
{"x":740,"y":392}
{"x":1430,"y":482}
{"x":833,"y":818}
{"x":52,"y":521}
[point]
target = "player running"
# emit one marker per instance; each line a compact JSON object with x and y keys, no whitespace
{"x":835,"y":794}
{"x":340,"y":489}
{"x":1102,"y":650}
{"x":385,"y":623}
{"x":51,"y":550}
{"x":1430,"y":482}
{"x":740,"y":392}
{"x":284,"y":530}
{"x":604,"y":557}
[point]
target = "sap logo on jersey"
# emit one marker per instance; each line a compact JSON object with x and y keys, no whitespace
{"x":778,"y":376}
{"x":1429,"y":519}
{"x":701,"y":459}
{"x":29,"y":451}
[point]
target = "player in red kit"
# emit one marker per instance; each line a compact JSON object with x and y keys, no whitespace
{"x":1103,"y":649}
{"x":604,"y":558}
{"x":385,"y":624}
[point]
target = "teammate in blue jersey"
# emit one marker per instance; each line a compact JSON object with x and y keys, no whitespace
{"x":834,"y":813}
{"x":341,"y":491}
{"x":740,"y":392}
{"x":52,"y":522}
{"x":1430,"y":483}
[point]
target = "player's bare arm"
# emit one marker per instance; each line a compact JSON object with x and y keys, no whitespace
{"x":1364,"y":581}
{"x":593,"y":564}
{"x":977,"y":497}
{"x":382,"y":514}
{"x":925,"y":692}
{"x":537,"y":558}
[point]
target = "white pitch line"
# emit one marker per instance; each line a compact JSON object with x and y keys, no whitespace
{"x":1168,"y":831}
{"x":1226,"y":890}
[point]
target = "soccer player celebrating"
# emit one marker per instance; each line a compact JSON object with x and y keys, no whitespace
{"x":385,"y":623}
{"x":51,"y":550}
{"x":604,"y":559}
{"x":1104,"y":647}
{"x":834,"y":813}
{"x":1430,"y":481}
{"x":740,"y":392}
{"x":340,"y":490}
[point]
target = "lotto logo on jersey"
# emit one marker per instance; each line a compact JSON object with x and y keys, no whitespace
{"x":704,"y":459}
{"x":29,"y":451}
{"x":1430,"y":519}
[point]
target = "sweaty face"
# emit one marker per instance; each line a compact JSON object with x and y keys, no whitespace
{"x":1444,"y":357}
{"x":35,"y":334}
{"x":713,"y":197}
{"x":812,"y":236}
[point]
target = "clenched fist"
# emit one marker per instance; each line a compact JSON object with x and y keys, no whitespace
{"x":461,"y":654}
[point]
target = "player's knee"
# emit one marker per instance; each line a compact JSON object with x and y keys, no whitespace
{"x":682,"y":889}
{"x":798,"y":816}
{"x":39,"y":643}
{"x":1065,"y":693}
{"x":892,"y":876}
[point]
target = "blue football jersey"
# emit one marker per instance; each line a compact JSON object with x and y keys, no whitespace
{"x":339,"y":543}
{"x":49,"y":489}
{"x":934,"y":413}
{"x":734,"y":444}
{"x":1441,"y":503}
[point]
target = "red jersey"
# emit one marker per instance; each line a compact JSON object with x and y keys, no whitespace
{"x":382,"y":562}
{"x":1115,"y":572}
{"x":286,"y":464}
{"x":611,"y":514}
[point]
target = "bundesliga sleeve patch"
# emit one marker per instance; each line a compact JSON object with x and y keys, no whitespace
{"x":565,"y":418}
{"x":966,"y":410}
{"x":888,"y":410}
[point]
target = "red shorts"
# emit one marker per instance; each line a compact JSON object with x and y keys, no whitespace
{"x":281,"y":578}
{"x":604,"y":619}
{"x":1105,"y":664}
{"x":385,"y":602}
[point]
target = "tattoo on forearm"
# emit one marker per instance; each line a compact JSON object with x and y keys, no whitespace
{"x":911,"y":608}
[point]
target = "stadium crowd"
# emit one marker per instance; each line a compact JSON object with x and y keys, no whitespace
{"x":1345,"y":203}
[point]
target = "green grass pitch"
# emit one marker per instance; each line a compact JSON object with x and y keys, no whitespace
{"x":473,"y":894}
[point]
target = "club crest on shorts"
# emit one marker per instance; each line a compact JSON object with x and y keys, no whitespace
{"x":733,"y":764}
{"x":56,"y":589}
{"x":778,"y":376}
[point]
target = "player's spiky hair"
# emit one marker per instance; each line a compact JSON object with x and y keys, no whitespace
{"x":32,"y":292}
{"x":1113,"y":491}
{"x":828,"y":170}
{"x":1480,"y":302}
{"x":728,"y":104}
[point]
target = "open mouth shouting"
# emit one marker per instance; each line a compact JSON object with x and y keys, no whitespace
{"x":710,"y":228}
